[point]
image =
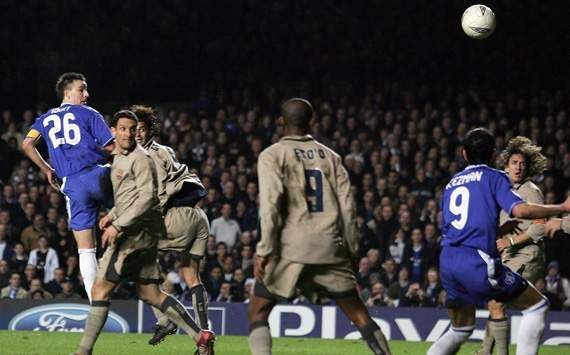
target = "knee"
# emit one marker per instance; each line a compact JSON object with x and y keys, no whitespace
{"x":99,"y":292}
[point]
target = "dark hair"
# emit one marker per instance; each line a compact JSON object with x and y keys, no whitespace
{"x":147,"y":116}
{"x":123,"y":114}
{"x":65,"y":80}
{"x":479,"y":146}
{"x":535,"y":161}
{"x":297,"y":112}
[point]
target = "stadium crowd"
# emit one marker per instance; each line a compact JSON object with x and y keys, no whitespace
{"x":399,"y":144}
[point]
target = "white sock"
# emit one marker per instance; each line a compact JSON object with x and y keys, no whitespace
{"x":531,"y":327}
{"x":450,"y":342}
{"x":88,"y":268}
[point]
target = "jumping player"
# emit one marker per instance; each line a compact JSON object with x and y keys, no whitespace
{"x":132,"y":229}
{"x":308,"y":230}
{"x":471,"y":269}
{"x":187,"y":225}
{"x":76,"y":136}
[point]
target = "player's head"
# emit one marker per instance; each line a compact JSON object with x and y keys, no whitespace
{"x":124,"y":127}
{"x":522,"y":159}
{"x":479,"y":146}
{"x":297,"y":113}
{"x":146,"y":128}
{"x":72,"y":88}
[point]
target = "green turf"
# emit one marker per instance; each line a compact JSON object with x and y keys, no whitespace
{"x":44,"y":343}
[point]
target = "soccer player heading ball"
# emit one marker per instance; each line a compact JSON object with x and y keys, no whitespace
{"x":471,"y":268}
{"x":308,"y":230}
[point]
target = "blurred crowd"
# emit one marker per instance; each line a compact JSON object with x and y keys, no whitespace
{"x":400,"y":145}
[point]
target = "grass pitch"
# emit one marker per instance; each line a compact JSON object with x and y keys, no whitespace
{"x":44,"y":343}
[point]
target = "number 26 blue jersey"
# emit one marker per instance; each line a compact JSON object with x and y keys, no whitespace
{"x":471,"y":203}
{"x":75,"y":136}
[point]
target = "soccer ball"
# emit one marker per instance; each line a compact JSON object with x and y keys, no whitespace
{"x":478,"y":21}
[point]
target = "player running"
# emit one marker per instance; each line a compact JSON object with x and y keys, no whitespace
{"x":521,"y":244}
{"x":132,"y":229}
{"x":471,"y":270}
{"x":186,"y":224}
{"x":76,"y":136}
{"x":308,"y":230}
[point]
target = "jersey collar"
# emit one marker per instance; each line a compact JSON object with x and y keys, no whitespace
{"x":476,"y":166}
{"x":304,"y":138}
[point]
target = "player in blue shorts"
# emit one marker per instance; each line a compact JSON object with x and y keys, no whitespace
{"x":77,"y":137}
{"x":470,"y":265}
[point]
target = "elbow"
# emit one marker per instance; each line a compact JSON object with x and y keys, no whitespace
{"x":519,"y":211}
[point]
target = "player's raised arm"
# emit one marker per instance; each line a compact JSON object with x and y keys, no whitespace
{"x":347,"y":210}
{"x":29,"y":148}
{"x":270,"y":193}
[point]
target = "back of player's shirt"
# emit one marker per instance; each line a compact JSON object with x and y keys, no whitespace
{"x":305,"y":202}
{"x":75,"y":136}
{"x":471,"y":203}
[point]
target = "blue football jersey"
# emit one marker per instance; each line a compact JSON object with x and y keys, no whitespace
{"x":471,"y":203}
{"x":75,"y":136}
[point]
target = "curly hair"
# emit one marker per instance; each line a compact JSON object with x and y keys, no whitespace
{"x":146,"y":115}
{"x":535,"y":160}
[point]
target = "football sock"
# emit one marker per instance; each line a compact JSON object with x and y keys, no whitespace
{"x":176,"y":312}
{"x":259,"y":338}
{"x":375,"y":339}
{"x":95,"y":322}
{"x":531,"y":327}
{"x":488,"y":341}
{"x":499,"y":330}
{"x":88,"y":268}
{"x":450,"y":342}
{"x":161,"y":318}
{"x":200,"y":305}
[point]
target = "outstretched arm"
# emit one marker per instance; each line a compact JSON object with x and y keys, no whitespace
{"x":534,"y":211}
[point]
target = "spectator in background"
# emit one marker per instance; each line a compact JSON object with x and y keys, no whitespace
{"x":36,"y":286}
{"x":389,"y":273}
{"x":63,"y":241}
{"x":414,"y":256}
{"x":14,"y":290}
{"x":54,"y":286}
{"x":432,"y":288}
{"x":558,"y":285}
{"x":225,"y":295}
{"x":12,"y":232}
{"x":72,"y":270}
{"x":378,"y":296}
{"x":19,"y":258}
{"x":31,"y":234}
{"x":6,"y":249}
{"x":397,"y":246}
{"x":399,"y":289}
{"x":224,"y":228}
{"x":67,"y":291}
{"x":214,"y":282}
{"x":44,"y":259}
{"x":4,"y":274}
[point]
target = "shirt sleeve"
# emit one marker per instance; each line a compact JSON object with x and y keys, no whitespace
{"x":146,"y":193}
{"x":347,"y":209}
{"x":35,"y":129}
{"x":270,"y":194}
{"x":505,"y":195}
{"x":100,"y":130}
{"x":536,"y":230}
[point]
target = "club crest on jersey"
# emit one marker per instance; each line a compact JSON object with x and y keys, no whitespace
{"x":120,"y":173}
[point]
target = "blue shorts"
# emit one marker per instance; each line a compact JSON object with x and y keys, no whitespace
{"x":85,"y":192}
{"x":472,"y":277}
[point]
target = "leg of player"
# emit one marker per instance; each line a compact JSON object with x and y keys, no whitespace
{"x":534,"y":306}
{"x":462,"y":325}
{"x":175,"y":311}
{"x":258,"y":313}
{"x":191,"y":274}
{"x":497,"y":330}
{"x":356,"y":311}
{"x":87,"y":257}
{"x":97,"y":315}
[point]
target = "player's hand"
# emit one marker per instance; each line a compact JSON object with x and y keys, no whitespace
{"x":109,"y":236}
{"x":105,"y":221}
{"x":502,"y":244}
{"x":52,"y":179}
{"x":511,"y":226}
{"x":259,"y":264}
{"x":552,"y":226}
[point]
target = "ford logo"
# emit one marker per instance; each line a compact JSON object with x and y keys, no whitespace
{"x":63,"y":317}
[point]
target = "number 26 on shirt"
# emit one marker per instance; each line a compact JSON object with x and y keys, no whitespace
{"x":71,"y":131}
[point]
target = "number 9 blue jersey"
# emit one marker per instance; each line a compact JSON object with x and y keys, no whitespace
{"x":75,"y":136}
{"x":471,"y":203}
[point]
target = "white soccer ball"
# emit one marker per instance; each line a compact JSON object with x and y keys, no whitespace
{"x":478,"y":21}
